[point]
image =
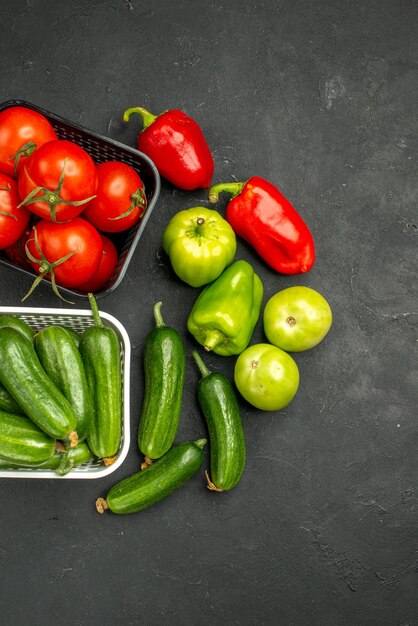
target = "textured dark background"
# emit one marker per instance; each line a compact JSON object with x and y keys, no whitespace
{"x":320,"y":98}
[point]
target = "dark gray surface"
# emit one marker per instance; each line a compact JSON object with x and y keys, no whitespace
{"x":320,"y":98}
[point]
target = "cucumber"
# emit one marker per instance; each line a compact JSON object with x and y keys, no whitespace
{"x":220,"y":408}
{"x":62,"y":361}
{"x":77,"y":456}
{"x":100,"y":351}
{"x":12,"y":321}
{"x":158,"y":480}
{"x":164,"y":367}
{"x":25,"y":379}
{"x":7,"y":403}
{"x":74,"y":336}
{"x":21,"y":441}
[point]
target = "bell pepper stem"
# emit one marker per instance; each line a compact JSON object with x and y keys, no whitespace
{"x":213,"y":337}
{"x":159,"y":321}
{"x":200,"y":364}
{"x":147,"y":117}
{"x":234,"y":189}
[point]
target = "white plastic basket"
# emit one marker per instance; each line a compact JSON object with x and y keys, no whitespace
{"x":79,"y":320}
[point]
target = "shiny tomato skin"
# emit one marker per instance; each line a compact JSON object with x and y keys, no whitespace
{"x":20,"y":125}
{"x":108,"y":262}
{"x":13,"y":219}
{"x":119,"y":186}
{"x":297,"y":319}
{"x":44,"y":168}
{"x":267,"y":377}
{"x":57,"y":240}
{"x":16,"y":251}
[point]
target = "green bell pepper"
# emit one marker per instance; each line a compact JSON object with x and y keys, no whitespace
{"x":200,"y":244}
{"x":225,"y":313}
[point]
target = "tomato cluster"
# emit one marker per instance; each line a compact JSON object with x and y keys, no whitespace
{"x":56,"y":203}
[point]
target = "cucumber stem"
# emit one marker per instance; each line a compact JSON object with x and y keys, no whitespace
{"x":109,"y":460}
{"x":200,"y":443}
{"x":147,"y":462}
{"x":101,"y":505}
{"x":95,"y":310}
{"x":66,"y":465}
{"x":202,"y":367}
{"x":159,"y":322}
{"x":210,"y":485}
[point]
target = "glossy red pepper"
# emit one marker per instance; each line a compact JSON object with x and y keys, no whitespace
{"x":177,"y":146}
{"x":260,"y":214}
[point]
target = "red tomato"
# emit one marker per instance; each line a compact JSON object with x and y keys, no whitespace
{"x":21,"y":131}
{"x":70,"y":251}
{"x":120,"y":199}
{"x":106,"y":267}
{"x":13,"y":219}
{"x":16,"y":252}
{"x":62,"y":178}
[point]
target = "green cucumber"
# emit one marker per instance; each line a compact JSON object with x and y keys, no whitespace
{"x":22,"y":374}
{"x":21,"y":441}
{"x":220,"y":408}
{"x":7,"y":403}
{"x":12,"y":321}
{"x":156,"y":481}
{"x":100,"y":351}
{"x":164,"y":367}
{"x":62,"y":361}
{"x":74,"y":336}
{"x":79,"y":455}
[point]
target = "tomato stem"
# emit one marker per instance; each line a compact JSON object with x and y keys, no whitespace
{"x":45,"y":267}
{"x":52,"y":197}
{"x":6,"y":214}
{"x":138,"y":199}
{"x":25,"y":150}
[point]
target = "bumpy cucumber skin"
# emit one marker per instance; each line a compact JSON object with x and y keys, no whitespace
{"x":161,"y":478}
{"x":7,"y":403}
{"x":74,"y":336}
{"x":21,"y":441}
{"x":164,"y":361}
{"x":12,"y":321}
{"x":62,"y":361}
{"x":220,"y":408}
{"x":23,"y":376}
{"x":100,"y":351}
{"x":77,"y":456}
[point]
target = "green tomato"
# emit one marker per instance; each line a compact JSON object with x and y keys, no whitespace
{"x":200,"y":244}
{"x":267,"y":377}
{"x":297,"y":319}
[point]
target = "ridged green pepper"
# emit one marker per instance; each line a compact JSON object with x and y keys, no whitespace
{"x":226,"y":311}
{"x":200,"y":244}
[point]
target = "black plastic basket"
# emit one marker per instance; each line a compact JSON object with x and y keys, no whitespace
{"x":101,"y":149}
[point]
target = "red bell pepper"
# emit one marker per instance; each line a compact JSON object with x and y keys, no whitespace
{"x":177,"y":146}
{"x":260,"y":214}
